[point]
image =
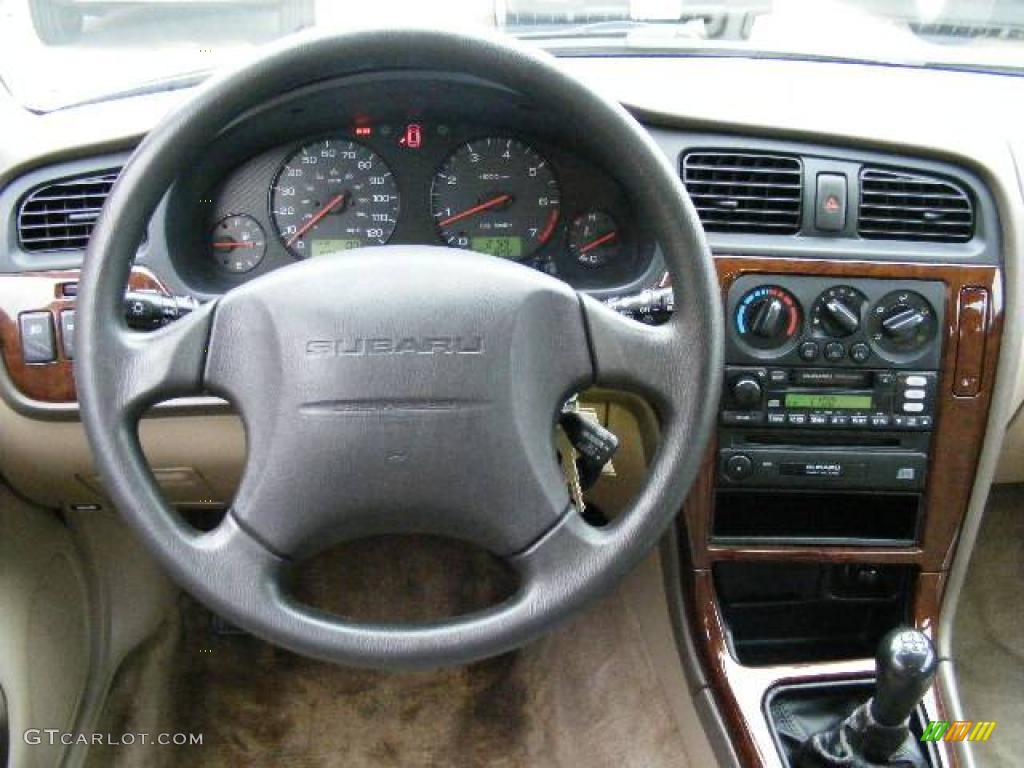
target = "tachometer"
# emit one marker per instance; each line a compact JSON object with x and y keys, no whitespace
{"x":496,"y":196}
{"x":334,"y":195}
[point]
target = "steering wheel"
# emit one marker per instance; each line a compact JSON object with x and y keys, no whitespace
{"x":399,"y":389}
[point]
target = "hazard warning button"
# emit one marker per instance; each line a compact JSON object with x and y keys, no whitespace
{"x":830,"y":202}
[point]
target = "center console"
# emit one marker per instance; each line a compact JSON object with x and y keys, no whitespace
{"x":854,"y":403}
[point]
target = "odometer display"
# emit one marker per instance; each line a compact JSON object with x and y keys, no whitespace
{"x":335,"y":191}
{"x":496,"y":196}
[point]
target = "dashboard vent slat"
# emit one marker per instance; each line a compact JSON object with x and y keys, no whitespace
{"x":748,"y":192}
{"x":900,"y":205}
{"x":60,"y":215}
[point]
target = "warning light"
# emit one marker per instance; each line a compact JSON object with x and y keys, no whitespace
{"x":412,"y":136}
{"x":364,"y":130}
{"x":831,"y":203}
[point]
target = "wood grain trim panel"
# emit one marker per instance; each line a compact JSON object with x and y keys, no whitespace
{"x":40,"y":292}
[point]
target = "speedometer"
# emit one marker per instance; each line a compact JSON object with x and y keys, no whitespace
{"x":496,"y":196}
{"x":334,"y":195}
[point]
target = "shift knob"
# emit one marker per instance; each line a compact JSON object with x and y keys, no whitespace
{"x":905,"y":664}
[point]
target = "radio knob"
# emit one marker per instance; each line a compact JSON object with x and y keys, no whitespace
{"x":746,"y":392}
{"x":739,"y":467}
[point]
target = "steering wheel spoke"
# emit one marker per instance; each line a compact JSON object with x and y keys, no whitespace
{"x":656,"y":362}
{"x":162,"y":364}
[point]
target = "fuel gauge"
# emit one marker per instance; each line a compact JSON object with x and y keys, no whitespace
{"x":594,"y":238}
{"x":238,"y":243}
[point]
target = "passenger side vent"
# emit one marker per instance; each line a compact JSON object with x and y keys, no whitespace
{"x":745,"y":191}
{"x":60,"y":215}
{"x":899,"y":205}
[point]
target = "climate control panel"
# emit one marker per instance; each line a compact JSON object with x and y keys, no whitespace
{"x":819,"y":321}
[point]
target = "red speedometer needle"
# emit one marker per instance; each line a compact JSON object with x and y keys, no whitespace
{"x":333,"y":203}
{"x":598,"y":241}
{"x":484,"y":206}
{"x":234,"y":244}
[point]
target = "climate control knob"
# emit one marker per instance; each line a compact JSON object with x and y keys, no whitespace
{"x":746,"y":392}
{"x":902,"y":324}
{"x":836,"y":312}
{"x":767,"y":317}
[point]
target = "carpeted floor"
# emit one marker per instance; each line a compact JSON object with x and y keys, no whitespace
{"x":989,"y":634}
{"x":586,"y":696}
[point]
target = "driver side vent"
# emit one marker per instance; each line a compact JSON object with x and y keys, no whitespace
{"x":60,"y":215}
{"x":749,"y":192}
{"x":898,"y":205}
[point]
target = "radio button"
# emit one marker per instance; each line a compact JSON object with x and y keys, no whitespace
{"x":879,"y":421}
{"x":808,"y":351}
{"x":914,"y":394}
{"x":797,"y":418}
{"x":834,"y":351}
{"x":818,"y":419}
{"x":739,"y":467}
{"x":859,"y":420}
{"x":777,"y":376}
{"x":913,"y":407}
{"x":916,"y":381}
{"x":742,"y":417}
{"x":839,"y":420}
{"x":776,"y":418}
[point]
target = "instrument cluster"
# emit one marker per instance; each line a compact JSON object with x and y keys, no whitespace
{"x":493,"y":191}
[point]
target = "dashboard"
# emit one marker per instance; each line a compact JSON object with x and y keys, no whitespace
{"x":332,"y":170}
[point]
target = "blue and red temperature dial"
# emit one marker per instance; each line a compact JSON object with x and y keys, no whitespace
{"x":768,"y":317}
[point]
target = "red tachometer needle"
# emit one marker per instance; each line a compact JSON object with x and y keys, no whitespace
{"x":333,"y":203}
{"x":484,"y":206}
{"x":234,"y":244}
{"x":598,"y":241}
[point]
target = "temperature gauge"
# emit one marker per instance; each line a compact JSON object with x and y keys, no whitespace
{"x":594,"y":238}
{"x":238,"y":243}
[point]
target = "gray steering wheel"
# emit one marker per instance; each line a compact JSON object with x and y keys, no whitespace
{"x":443,"y":423}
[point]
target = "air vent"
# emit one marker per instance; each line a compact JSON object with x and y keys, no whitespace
{"x":745,"y":191}
{"x":898,"y":205}
{"x":60,"y":215}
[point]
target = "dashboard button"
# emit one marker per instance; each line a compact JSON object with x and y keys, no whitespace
{"x":839,"y":420}
{"x":797,"y":418}
{"x":830,"y":202}
{"x":38,"y":344}
{"x":913,"y":407}
{"x":859,"y":420}
{"x":67,"y":333}
{"x":777,"y":376}
{"x":879,"y":421}
{"x":916,"y":381}
{"x":914,"y":394}
{"x":808,"y":351}
{"x":834,"y":351}
{"x":860,"y":352}
{"x":739,"y":467}
{"x":776,"y":418}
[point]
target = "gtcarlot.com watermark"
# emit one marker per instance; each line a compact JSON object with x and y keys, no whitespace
{"x":56,"y":736}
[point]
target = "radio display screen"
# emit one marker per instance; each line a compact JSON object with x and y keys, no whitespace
{"x":824,"y":402}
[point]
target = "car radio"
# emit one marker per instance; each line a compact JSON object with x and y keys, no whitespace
{"x":834,"y":398}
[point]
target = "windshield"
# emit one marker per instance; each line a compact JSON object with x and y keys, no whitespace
{"x":55,"y":53}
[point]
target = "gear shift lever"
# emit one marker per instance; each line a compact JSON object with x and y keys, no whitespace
{"x":878,"y":733}
{"x":905,"y":665}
